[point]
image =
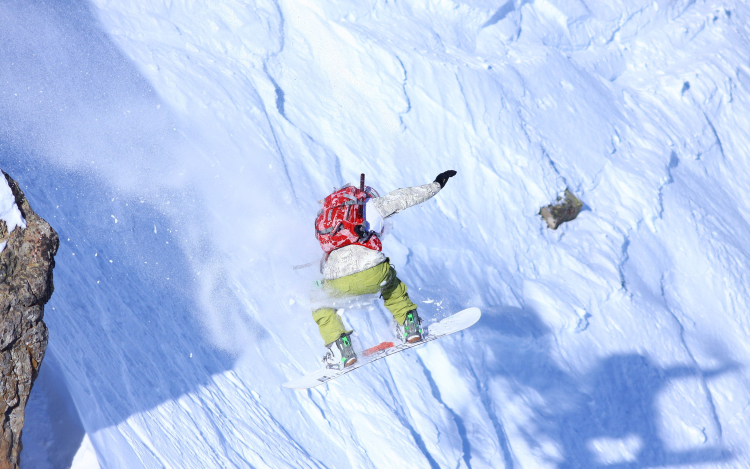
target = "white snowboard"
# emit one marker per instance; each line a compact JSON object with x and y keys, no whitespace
{"x":457,"y":322}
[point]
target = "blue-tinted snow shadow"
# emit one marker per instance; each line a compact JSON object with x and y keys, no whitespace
{"x":122,"y":320}
{"x":52,"y":432}
{"x":123,"y":323}
{"x":502,"y":12}
{"x":616,"y":400}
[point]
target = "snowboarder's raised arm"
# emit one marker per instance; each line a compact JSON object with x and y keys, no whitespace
{"x":401,"y":199}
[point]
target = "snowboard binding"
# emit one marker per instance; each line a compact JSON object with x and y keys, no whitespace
{"x":411,"y":331}
{"x":340,"y":353}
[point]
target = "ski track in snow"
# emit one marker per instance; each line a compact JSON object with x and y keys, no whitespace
{"x":179,"y":149}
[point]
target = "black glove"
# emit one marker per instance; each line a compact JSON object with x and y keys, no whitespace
{"x":359,"y":230}
{"x":443,"y":177}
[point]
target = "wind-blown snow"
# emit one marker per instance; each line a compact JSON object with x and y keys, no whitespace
{"x":180,"y":147}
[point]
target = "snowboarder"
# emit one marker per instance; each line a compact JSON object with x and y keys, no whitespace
{"x":348,"y":228}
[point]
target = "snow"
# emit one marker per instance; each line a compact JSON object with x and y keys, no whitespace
{"x":179,"y":149}
{"x":85,"y":457}
{"x":9,"y":212}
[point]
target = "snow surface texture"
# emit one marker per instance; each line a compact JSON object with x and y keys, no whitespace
{"x":9,"y":212}
{"x":179,"y":149}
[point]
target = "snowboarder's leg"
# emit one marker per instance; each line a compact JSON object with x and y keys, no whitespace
{"x":396,"y":297}
{"x":330,"y":325}
{"x":367,"y":282}
{"x":404,"y":311}
{"x":380,"y":278}
{"x":361,"y":283}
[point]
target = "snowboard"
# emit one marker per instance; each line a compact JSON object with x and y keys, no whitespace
{"x":458,"y":322}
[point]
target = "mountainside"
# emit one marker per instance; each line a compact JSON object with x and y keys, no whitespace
{"x":180,"y":148}
{"x":27,"y":249}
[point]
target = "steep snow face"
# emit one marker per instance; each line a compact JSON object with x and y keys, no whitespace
{"x":184,"y":173}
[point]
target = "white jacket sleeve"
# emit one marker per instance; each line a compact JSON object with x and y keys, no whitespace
{"x":401,"y":199}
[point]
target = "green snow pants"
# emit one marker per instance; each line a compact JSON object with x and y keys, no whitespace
{"x":381,"y":278}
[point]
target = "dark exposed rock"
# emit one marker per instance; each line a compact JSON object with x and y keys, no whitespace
{"x":564,"y":209}
{"x":25,"y":286}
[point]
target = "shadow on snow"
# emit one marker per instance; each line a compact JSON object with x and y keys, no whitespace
{"x":615,"y":401}
{"x":123,"y":327}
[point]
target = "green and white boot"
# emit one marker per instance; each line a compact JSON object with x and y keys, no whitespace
{"x":340,"y":353}
{"x":411,"y":330}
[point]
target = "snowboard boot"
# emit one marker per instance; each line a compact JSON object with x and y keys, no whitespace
{"x":411,"y":331}
{"x":340,"y":353}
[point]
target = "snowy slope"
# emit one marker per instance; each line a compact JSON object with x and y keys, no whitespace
{"x":180,"y":147}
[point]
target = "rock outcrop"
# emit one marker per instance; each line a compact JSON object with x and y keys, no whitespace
{"x":25,"y":286}
{"x":564,"y":209}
